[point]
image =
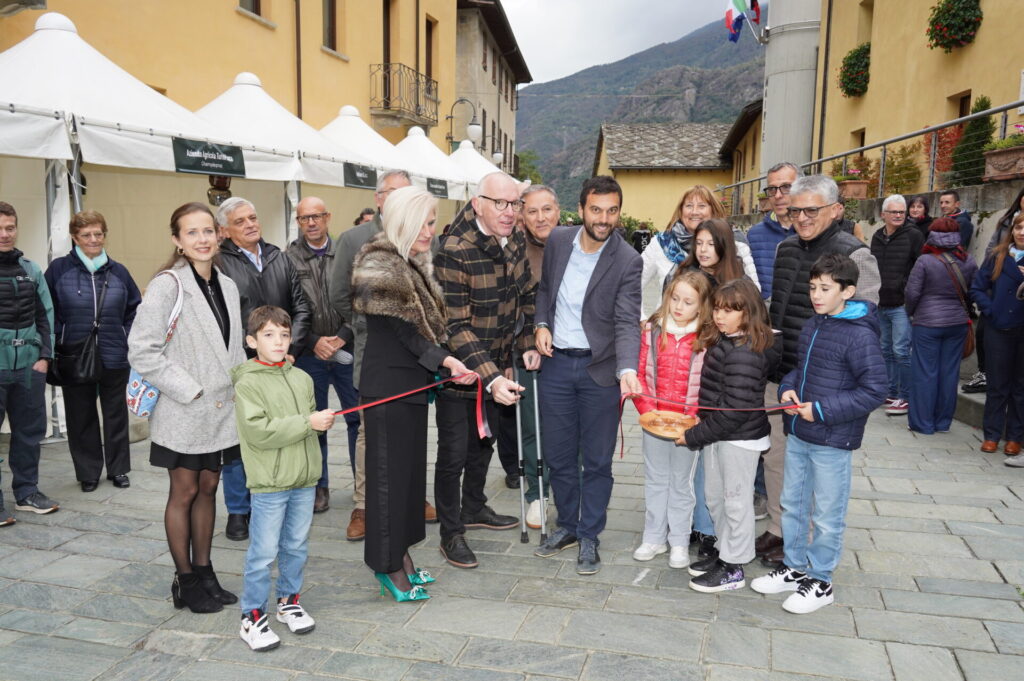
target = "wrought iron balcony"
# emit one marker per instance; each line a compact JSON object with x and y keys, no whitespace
{"x":403,"y":94}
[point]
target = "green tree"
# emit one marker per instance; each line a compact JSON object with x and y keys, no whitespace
{"x":968,"y":161}
{"x":528,"y":169}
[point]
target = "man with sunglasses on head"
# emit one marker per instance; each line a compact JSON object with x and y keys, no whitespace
{"x":765,"y":236}
{"x":484,"y":273}
{"x":816,"y":214}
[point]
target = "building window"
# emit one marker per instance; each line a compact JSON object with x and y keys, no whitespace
{"x":485,"y":56}
{"x":965,"y":105}
{"x":430,"y":38}
{"x":494,"y":71}
{"x":251,"y":6}
{"x":494,"y":137}
{"x":501,"y":80}
{"x":483,"y":142}
{"x":331,"y":24}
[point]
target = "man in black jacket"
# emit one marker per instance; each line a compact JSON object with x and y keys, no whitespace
{"x":264,"y":276}
{"x":896,"y":247}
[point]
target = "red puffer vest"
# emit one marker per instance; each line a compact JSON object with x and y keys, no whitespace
{"x":669,"y":369}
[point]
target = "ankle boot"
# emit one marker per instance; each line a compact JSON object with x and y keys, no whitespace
{"x":186,"y":590}
{"x":208,"y":579}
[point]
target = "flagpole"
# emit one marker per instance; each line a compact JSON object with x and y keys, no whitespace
{"x":749,"y":23}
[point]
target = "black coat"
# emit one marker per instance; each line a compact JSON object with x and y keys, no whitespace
{"x":896,"y":256}
{"x":733,"y":376}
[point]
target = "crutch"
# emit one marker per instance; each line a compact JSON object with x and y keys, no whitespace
{"x":524,"y":537}
{"x":540,"y":459}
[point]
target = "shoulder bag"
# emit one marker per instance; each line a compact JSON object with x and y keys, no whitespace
{"x":140,"y":393}
{"x":78,"y":362}
{"x":960,"y":284}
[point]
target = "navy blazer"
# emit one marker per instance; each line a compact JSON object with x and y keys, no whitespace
{"x":611,"y":306}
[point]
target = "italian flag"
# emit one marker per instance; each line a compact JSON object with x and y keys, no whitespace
{"x":735,"y":11}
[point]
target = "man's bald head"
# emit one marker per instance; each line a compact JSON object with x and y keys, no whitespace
{"x":314,"y":220}
{"x":494,"y":190}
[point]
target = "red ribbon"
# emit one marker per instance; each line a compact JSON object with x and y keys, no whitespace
{"x":482,"y":428}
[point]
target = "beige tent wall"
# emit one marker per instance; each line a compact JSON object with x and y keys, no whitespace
{"x":23,"y":185}
{"x":137,"y":205}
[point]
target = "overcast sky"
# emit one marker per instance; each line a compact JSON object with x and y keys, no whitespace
{"x":560,"y":37}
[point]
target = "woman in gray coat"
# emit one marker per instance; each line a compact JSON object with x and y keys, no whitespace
{"x":192,"y":427}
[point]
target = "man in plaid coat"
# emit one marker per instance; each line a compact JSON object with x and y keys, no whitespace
{"x":485,"y":275}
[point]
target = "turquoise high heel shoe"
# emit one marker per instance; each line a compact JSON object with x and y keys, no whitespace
{"x":416,"y":593}
{"x":421,"y":577}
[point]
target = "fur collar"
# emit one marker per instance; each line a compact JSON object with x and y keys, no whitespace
{"x":385,"y":284}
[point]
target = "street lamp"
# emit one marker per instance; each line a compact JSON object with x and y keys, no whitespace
{"x":498,"y":157}
{"x":474,"y":130}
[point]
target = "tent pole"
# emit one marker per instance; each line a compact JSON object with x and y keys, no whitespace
{"x":53,"y":171}
{"x":76,"y":177}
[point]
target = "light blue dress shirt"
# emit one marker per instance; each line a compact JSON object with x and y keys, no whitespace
{"x":255,"y":258}
{"x":568,"y":326}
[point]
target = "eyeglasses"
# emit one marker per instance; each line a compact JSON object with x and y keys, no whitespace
{"x":809,"y":211}
{"x":772,"y":190}
{"x":313,"y":217}
{"x":895,"y":212}
{"x":502,"y":204}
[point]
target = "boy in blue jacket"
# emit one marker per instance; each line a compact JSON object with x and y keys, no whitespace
{"x":839,"y":380}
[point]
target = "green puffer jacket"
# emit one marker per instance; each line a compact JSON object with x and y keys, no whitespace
{"x":280,"y":450}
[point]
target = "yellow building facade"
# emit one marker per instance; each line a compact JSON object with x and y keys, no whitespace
{"x":911,"y":86}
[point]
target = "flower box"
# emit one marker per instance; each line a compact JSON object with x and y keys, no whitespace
{"x":1004,"y":164}
{"x":853,"y":189}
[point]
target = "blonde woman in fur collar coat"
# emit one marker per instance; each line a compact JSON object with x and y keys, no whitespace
{"x":393,"y":285}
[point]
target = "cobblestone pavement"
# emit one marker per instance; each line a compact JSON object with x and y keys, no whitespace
{"x":927,"y":589}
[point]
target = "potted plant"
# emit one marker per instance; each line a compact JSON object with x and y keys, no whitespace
{"x":851,"y":186}
{"x":854,"y":73}
{"x":764,"y":204}
{"x":953,"y":23}
{"x":1004,"y":159}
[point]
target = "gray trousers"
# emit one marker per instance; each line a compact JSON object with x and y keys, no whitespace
{"x":668,"y":491}
{"x":729,"y":473}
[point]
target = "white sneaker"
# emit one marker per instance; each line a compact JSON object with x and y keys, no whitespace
{"x":679,"y":557}
{"x":810,"y":595}
{"x":778,"y":580}
{"x":648,"y":551}
{"x":292,"y":614}
{"x":1016,"y":461}
{"x":256,"y":631}
{"x":533,"y":519}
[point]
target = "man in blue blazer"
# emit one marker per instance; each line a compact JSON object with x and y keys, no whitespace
{"x":587,"y":327}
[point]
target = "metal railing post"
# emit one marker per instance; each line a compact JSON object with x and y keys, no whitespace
{"x":1003,"y":120}
{"x":931,"y":161}
{"x":881,"y":173}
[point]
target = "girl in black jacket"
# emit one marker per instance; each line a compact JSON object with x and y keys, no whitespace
{"x":735,"y":371}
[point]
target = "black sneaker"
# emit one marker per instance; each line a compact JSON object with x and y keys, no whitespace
{"x":589,"y":560}
{"x":457,"y":552}
{"x":977,"y":384}
{"x":706,"y":547}
{"x":556,"y":542}
{"x":487,"y":519}
{"x":724,"y":577}
{"x":37,"y":502}
{"x":702,"y":566}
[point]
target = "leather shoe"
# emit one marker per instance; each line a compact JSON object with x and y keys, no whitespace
{"x":457,"y":552}
{"x":487,"y":519}
{"x":238,"y":527}
{"x":1012,"y":448}
{"x":766,"y":542}
{"x":322,"y":501}
{"x":989,"y":446}
{"x":429,"y":513}
{"x":121,"y":481}
{"x":356,"y":525}
{"x":90,"y":485}
{"x":512,"y":480}
{"x":773,"y":558}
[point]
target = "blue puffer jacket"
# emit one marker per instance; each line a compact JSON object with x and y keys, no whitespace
{"x":764,"y":239}
{"x":75,"y":293}
{"x":997,"y":299}
{"x":840,"y":369}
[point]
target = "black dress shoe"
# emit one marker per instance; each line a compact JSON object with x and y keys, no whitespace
{"x":90,"y":485}
{"x":457,"y":552}
{"x":487,"y":519}
{"x":238,"y":527}
{"x":766,"y":543}
{"x":512,"y":480}
{"x":121,"y":481}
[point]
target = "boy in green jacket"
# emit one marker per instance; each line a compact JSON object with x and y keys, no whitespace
{"x":277,"y":428}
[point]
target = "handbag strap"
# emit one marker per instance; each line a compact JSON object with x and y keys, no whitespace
{"x":179,"y":302}
{"x":99,"y":304}
{"x":959,"y":283}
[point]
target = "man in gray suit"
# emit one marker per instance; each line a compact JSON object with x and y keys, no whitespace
{"x":588,"y":304}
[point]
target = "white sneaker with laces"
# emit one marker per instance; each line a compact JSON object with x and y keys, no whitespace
{"x":778,"y":580}
{"x":647,"y":552}
{"x":256,"y":631}
{"x":811,"y":595}
{"x":533,"y":519}
{"x":291,"y":613}
{"x":679,"y":557}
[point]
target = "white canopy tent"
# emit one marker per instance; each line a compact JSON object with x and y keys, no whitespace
{"x":423,"y":158}
{"x":472,"y":163}
{"x":349,"y":129}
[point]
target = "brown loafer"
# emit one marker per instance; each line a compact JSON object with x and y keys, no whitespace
{"x":988,"y":446}
{"x":766,"y":543}
{"x":1012,"y":448}
{"x":356,"y":525}
{"x":429,"y":512}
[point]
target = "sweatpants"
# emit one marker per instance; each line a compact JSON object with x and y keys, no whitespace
{"x":668,"y":491}
{"x":729,"y":473}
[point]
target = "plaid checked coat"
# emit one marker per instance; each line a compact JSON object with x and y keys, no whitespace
{"x":490,"y":297}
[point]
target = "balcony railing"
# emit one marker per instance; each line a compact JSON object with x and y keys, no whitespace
{"x":403,"y":93}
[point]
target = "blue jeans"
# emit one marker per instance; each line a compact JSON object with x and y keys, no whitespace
{"x":324,"y":375}
{"x":279,"y":528}
{"x":935,"y":372}
{"x":23,"y":397}
{"x":701,"y":515}
{"x":815,"y":488}
{"x":896,"y":349}
{"x":579,"y":428}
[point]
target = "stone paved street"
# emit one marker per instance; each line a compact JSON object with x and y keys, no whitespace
{"x":927,"y":590}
